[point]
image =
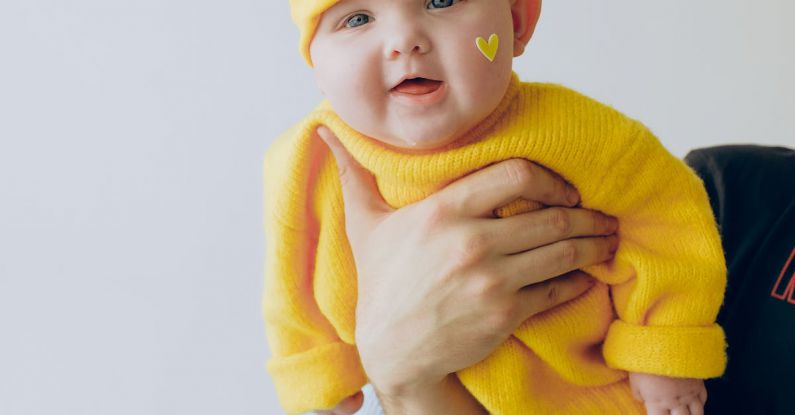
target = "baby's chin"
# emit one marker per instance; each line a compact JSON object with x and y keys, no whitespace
{"x":420,"y":140}
{"x":410,"y":133}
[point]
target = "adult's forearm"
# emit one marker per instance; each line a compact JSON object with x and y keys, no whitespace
{"x":446,"y":397}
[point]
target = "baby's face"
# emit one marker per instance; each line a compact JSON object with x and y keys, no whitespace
{"x":408,"y":72}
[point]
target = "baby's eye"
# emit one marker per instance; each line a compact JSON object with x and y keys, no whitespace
{"x":357,"y":20}
{"x":441,"y":4}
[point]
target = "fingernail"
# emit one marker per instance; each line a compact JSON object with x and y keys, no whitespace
{"x":323,"y":133}
{"x":572,"y":196}
{"x":585,"y":279}
{"x":613,"y":244}
{"x":612,"y":225}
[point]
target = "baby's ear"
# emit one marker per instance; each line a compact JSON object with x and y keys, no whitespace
{"x":525,"y":17}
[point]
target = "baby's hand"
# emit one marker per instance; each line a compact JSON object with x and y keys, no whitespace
{"x":348,"y":405}
{"x":663,"y":395}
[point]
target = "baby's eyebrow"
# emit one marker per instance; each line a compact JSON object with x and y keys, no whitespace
{"x":343,"y":5}
{"x":340,"y":9}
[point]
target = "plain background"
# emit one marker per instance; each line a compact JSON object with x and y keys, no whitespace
{"x":131,"y":143}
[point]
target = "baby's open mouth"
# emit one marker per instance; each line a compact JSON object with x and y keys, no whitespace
{"x":417,"y":86}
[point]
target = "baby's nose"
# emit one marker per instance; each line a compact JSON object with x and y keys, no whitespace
{"x":407,"y":42}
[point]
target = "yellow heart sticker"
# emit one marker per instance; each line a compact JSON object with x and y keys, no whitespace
{"x":488,"y":49}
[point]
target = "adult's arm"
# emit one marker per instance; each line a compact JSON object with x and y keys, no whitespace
{"x":447,"y":292}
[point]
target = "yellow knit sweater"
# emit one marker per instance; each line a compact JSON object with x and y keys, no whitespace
{"x":653,"y":310}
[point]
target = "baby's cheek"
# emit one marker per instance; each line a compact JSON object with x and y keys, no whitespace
{"x":470,"y":64}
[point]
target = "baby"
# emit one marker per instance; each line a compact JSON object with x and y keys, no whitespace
{"x":422,"y":92}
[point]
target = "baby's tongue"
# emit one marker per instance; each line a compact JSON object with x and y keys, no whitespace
{"x":418,"y":86}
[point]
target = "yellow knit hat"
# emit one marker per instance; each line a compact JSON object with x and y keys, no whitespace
{"x":306,"y":14}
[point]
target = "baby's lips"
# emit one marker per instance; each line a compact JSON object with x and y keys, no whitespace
{"x":417,"y":86}
{"x":407,"y":76}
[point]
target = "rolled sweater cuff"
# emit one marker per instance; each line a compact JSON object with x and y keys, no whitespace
{"x":319,"y":378}
{"x":691,"y":351}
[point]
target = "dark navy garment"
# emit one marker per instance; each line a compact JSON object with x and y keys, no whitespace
{"x":752,"y":192}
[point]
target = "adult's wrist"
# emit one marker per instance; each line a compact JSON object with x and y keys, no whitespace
{"x":445,"y":396}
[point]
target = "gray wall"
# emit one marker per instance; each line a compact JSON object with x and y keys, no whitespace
{"x":131,"y":141}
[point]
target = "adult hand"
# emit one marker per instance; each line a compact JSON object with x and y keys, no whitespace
{"x":441,"y":282}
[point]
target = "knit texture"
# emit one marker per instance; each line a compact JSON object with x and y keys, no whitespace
{"x":652,"y":311}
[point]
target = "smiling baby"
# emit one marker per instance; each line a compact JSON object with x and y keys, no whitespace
{"x":422,"y":92}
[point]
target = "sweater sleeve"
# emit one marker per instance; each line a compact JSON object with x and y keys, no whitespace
{"x":311,"y":367}
{"x":669,"y":275}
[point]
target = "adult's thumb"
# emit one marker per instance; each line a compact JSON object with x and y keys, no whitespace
{"x":362,"y":199}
